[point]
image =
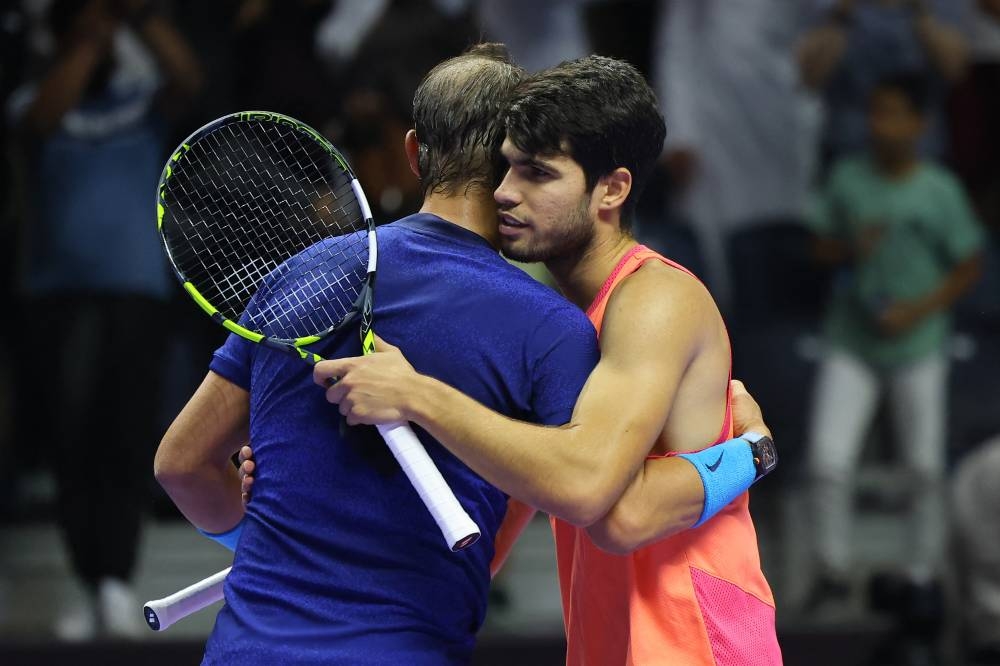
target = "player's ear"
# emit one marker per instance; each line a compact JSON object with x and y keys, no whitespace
{"x":412,"y":147}
{"x":613,"y":189}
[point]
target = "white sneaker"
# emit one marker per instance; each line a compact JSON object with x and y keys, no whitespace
{"x":121,"y":614}
{"x":78,"y":622}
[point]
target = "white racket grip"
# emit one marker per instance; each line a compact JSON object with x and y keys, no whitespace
{"x":457,"y":527}
{"x":162,"y":613}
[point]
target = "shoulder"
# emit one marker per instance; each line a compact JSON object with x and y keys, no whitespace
{"x":660,"y":301}
{"x":658,"y":286}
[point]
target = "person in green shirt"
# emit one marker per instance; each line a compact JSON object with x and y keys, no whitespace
{"x":906,"y":244}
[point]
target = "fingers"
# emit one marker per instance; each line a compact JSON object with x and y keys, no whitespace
{"x":383,"y":346}
{"x":737,"y":388}
{"x":247,"y":467}
{"x":328,"y":373}
{"x":245,"y":487}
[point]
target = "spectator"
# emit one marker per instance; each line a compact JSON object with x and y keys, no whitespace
{"x":908,"y":245}
{"x":538,"y":34}
{"x":407,"y":39}
{"x":859,"y":42}
{"x":739,"y":142}
{"x":93,"y":271}
{"x":976,"y":510}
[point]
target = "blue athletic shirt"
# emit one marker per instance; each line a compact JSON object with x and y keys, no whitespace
{"x":339,"y":561}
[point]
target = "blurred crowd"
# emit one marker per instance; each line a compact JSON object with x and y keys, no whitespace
{"x":831,"y":170}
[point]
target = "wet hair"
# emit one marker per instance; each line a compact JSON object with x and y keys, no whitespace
{"x":912,"y":85}
{"x":599,"y":111}
{"x":458,"y":116}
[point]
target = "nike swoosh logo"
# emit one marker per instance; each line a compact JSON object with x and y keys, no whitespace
{"x":715,"y":466}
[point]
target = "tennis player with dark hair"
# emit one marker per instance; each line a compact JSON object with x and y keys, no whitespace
{"x":581,"y":141}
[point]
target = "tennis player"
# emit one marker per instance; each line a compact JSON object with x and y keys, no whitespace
{"x":581,"y":141}
{"x":339,"y":562}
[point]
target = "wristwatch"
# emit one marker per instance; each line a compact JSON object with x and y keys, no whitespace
{"x":765,"y":455}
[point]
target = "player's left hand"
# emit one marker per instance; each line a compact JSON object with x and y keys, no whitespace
{"x":747,"y":416}
{"x":247,"y":466}
{"x":373,"y":389}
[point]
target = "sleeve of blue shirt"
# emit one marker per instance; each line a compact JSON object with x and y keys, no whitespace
{"x":565,"y":352}
{"x":232,"y":361}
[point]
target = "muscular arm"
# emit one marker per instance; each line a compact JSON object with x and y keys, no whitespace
{"x":194,"y":460}
{"x":579,"y":470}
{"x":661,"y":500}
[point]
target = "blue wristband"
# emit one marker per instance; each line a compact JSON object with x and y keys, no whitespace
{"x":228,"y":539}
{"x":727,"y":470}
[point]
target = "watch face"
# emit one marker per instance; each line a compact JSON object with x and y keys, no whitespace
{"x":768,"y":456}
{"x":765,"y":454}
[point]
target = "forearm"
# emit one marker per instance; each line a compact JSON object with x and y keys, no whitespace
{"x":178,"y":61}
{"x":63,"y":86}
{"x":208,"y":496}
{"x":567,"y":471}
{"x":194,"y":460}
{"x":684,"y":491}
{"x":666,"y":497}
{"x":958,"y":282}
{"x":944,"y":45}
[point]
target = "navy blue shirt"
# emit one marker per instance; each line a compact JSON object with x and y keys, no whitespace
{"x":339,"y":561}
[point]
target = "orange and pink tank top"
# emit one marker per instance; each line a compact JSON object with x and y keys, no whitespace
{"x":695,"y":598}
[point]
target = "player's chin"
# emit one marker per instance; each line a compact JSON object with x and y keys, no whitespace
{"x":520,"y":249}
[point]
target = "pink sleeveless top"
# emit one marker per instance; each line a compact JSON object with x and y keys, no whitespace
{"x":698,"y":597}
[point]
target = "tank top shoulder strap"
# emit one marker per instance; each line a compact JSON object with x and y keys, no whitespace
{"x":628,"y":264}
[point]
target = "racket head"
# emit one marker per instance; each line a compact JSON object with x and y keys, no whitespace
{"x":268,"y":230}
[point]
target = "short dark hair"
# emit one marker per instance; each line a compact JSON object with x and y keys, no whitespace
{"x":912,"y":85}
{"x":458,"y":116}
{"x":598,"y":110}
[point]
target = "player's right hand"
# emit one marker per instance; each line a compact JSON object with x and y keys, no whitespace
{"x":246,"y":472}
{"x":370,"y":390}
{"x":747,"y":416}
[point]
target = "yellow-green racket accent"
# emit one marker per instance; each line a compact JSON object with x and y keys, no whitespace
{"x":270,"y":234}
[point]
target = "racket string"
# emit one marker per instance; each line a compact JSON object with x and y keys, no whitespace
{"x":254,"y":205}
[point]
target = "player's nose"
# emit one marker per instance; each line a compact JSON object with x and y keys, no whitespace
{"x":506,"y":195}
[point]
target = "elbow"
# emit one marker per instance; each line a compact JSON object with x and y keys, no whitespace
{"x":628,"y":526}
{"x":584,"y":502}
{"x":617,"y":533}
{"x":171,"y":468}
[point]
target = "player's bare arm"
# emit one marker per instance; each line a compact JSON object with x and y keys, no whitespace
{"x":194,"y":460}
{"x":647,"y":510}
{"x":579,"y":470}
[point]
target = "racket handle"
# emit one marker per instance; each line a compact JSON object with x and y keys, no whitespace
{"x":457,"y":527}
{"x":162,"y":613}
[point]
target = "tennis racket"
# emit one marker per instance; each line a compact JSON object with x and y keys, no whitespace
{"x":269,"y":231}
